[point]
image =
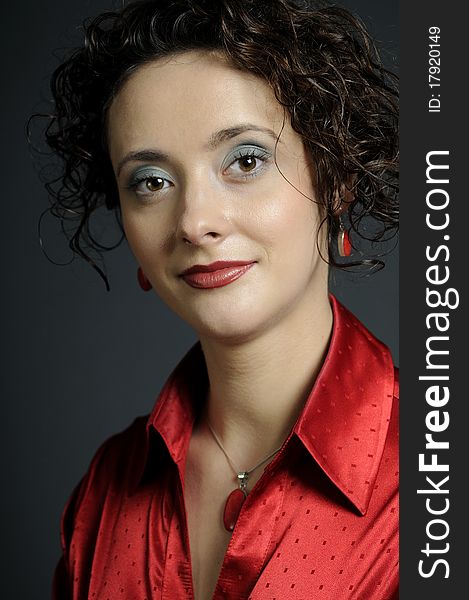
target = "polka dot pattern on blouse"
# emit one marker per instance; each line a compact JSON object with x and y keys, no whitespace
{"x":322,"y":522}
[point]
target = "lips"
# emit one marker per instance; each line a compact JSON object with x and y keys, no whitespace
{"x":216,"y":274}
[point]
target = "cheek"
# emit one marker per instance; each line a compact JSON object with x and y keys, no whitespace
{"x":145,"y":235}
{"x":287,"y":224}
{"x":133,"y":233}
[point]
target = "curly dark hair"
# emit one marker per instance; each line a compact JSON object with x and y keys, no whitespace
{"x":319,"y":60}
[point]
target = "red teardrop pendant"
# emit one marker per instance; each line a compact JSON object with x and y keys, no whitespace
{"x":347,"y":244}
{"x":344,"y":243}
{"x":233,"y":505}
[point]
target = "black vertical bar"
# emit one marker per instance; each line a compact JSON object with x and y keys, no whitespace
{"x":432,"y":273}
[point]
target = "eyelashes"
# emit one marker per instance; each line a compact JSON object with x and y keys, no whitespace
{"x":244,"y":163}
{"x":249,"y":158}
{"x":148,"y":181}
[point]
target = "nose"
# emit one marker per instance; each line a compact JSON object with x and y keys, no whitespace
{"x":202,"y":219}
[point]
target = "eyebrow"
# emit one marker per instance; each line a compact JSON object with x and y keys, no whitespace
{"x":223,"y":135}
{"x":142,"y":156}
{"x":214,"y":141}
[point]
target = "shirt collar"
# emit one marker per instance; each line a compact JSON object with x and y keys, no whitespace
{"x":343,"y":424}
{"x":345,"y":420}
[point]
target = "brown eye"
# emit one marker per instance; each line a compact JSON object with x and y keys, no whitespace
{"x":146,"y":184}
{"x":154,"y":184}
{"x":247,"y":163}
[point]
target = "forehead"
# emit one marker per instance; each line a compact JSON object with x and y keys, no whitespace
{"x":196,"y":92}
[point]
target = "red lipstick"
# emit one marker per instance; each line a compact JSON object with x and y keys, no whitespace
{"x":216,"y":274}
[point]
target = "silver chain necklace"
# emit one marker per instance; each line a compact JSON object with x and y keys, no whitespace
{"x":236,"y":498}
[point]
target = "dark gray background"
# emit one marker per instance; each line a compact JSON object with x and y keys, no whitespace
{"x":80,"y":363}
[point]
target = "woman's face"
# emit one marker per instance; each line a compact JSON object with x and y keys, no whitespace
{"x":193,"y":146}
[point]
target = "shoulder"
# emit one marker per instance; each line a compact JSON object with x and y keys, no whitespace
{"x":117,"y":459}
{"x":112,"y":467}
{"x":110,"y":475}
{"x":132,"y":438}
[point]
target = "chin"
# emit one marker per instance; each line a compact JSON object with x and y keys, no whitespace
{"x":230,"y":325}
{"x":224,"y":334}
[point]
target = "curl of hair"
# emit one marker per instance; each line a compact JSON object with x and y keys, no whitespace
{"x":319,"y":60}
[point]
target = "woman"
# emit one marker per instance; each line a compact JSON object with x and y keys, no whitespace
{"x":242,"y":146}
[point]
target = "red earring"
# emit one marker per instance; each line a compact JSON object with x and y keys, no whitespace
{"x":344,"y":244}
{"x":143,"y":281}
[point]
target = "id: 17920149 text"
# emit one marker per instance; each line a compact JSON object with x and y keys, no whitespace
{"x":434,"y":69}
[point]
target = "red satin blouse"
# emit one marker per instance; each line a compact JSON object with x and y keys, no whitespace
{"x":321,"y":523}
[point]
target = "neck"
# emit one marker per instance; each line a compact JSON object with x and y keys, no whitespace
{"x":259,"y":387}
